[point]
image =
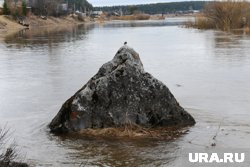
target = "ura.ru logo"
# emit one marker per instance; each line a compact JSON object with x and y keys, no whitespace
{"x":215,"y":158}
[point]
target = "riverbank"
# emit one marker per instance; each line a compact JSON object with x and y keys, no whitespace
{"x":141,"y":16}
{"x":37,"y":21}
{"x":8,"y":25}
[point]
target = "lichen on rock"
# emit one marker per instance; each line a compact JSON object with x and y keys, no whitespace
{"x":121,"y":93}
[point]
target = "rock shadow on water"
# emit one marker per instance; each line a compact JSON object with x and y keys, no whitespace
{"x":122,"y":100}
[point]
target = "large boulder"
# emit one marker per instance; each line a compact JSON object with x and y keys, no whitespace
{"x":121,"y":93}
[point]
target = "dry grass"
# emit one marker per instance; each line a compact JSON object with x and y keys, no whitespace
{"x":224,"y":15}
{"x":8,"y":154}
{"x":37,"y":21}
{"x":157,"y":17}
{"x":7,"y":22}
{"x":201,"y":22}
{"x":132,"y":17}
{"x":135,"y":131}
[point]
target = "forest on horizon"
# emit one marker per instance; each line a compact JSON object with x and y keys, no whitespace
{"x":156,"y":8}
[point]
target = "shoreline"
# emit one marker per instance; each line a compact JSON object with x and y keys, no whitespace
{"x":10,"y":26}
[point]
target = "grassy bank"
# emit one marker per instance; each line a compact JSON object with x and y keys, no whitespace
{"x":8,"y":24}
{"x":132,"y":17}
{"x":223,"y":15}
{"x":37,"y":21}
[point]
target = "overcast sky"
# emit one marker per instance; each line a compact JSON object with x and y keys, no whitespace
{"x":126,"y":2}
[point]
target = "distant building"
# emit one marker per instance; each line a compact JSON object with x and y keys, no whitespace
{"x":114,"y":13}
{"x":96,"y":13}
{"x":62,"y":8}
{"x":120,"y":12}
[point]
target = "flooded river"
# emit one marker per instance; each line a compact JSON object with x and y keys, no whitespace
{"x":207,"y":71}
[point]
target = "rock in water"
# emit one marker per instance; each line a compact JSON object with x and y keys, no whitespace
{"x":121,"y":93}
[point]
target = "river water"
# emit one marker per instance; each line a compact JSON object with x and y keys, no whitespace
{"x":207,"y":71}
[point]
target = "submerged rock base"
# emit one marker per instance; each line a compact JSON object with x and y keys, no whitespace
{"x":121,"y":94}
{"x":136,"y":132}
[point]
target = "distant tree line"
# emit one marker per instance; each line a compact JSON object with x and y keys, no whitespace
{"x":157,"y":8}
{"x":80,"y":5}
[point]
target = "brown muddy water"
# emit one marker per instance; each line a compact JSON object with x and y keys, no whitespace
{"x":207,"y":71}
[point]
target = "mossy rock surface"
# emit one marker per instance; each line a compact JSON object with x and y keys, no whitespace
{"x":121,"y":93}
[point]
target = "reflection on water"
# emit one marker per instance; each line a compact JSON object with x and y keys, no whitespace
{"x":143,"y":23}
{"x":41,"y":68}
{"x":227,"y":47}
{"x":117,"y":152}
{"x":47,"y":36}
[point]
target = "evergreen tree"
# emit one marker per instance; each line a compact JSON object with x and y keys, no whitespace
{"x":6,"y":10}
{"x":24,"y":8}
